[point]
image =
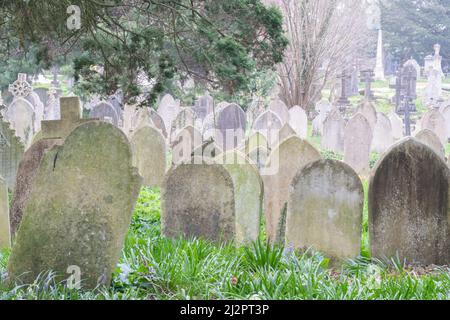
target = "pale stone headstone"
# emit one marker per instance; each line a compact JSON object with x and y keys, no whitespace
{"x":106,"y":112}
{"x":11,"y":152}
{"x":280,"y":109}
{"x":397,"y":126}
{"x":286,"y":159}
{"x":409,"y":205}
{"x":5,"y":234}
{"x":333,"y":132}
{"x":168,"y":109}
{"x":435,"y":121}
{"x":198,"y":201}
{"x":325,"y":209}
{"x":369,"y":112}
{"x":204,"y":106}
{"x":184,"y":144}
{"x":433,"y":70}
{"x":248,"y":195}
{"x":269,"y":124}
{"x":254,"y":110}
{"x":70,"y":118}
{"x":357,"y":141}
{"x":79,"y":209}
{"x":231,"y":125}
{"x":323,"y":108}
{"x":186,"y":117}
{"x":148,"y":117}
{"x":26,"y":174}
{"x":149,"y":155}
{"x":298,"y":120}
{"x":446,"y":114}
{"x":21,"y":116}
{"x":382,"y":134}
{"x":430,"y":139}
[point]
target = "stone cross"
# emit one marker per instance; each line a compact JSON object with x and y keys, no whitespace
{"x":368,"y":77}
{"x":20,"y":88}
{"x":70,"y":118}
{"x":343,"y":99}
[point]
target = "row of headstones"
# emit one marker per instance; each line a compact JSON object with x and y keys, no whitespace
{"x":371,"y":131}
{"x":311,"y":202}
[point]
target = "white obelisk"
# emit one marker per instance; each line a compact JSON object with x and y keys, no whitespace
{"x":379,"y":68}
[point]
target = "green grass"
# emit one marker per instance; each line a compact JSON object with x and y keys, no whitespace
{"x":153,"y":267}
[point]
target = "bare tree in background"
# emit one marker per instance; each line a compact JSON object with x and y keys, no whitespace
{"x":325,"y":36}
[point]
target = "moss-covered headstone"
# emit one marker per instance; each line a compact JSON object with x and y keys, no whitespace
{"x":79,"y":209}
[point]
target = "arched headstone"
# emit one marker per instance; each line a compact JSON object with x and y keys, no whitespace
{"x":357,"y":141}
{"x":382,"y":134}
{"x":333,"y":132}
{"x":430,"y":139}
{"x":231,"y":125}
{"x":298,"y":120}
{"x":106,"y":112}
{"x":435,"y":121}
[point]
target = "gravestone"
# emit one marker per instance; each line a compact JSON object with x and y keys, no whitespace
{"x":5,"y":234}
{"x":435,"y":121}
{"x":21,"y":116}
{"x":285,"y":132}
{"x":409,"y":205}
{"x":148,"y":117}
{"x":198,"y":201}
{"x":430,"y":139}
{"x":269,"y":124}
{"x":446,"y":114}
{"x":280,"y":109}
{"x":325,"y":210}
{"x":186,"y":117}
{"x":231,"y":125}
{"x":254,"y":110}
{"x":70,"y":118}
{"x":168,"y":109}
{"x":79,"y":209}
{"x":204,"y":106}
{"x":52,"y":107}
{"x":323,"y":108}
{"x":26,"y":174}
{"x":149,"y":155}
{"x":184,"y":144}
{"x":369,"y":112}
{"x":106,"y":112}
{"x":357,"y":141}
{"x":43,"y":94}
{"x":397,"y":126}
{"x":382,"y":134}
{"x":248,"y":195}
{"x":286,"y":160}
{"x":11,"y":152}
{"x":333,"y":132}
{"x":298,"y":120}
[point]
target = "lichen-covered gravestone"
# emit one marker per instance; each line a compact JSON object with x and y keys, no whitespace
{"x":382,"y":134}
{"x":333,"y":132}
{"x":430,"y":139}
{"x":369,"y":112}
{"x":149,"y":155}
{"x":325,"y":209}
{"x":248,"y":194}
{"x":433,"y":120}
{"x":5,"y":234}
{"x":284,"y":161}
{"x":280,"y":109}
{"x":357,"y":141}
{"x":79,"y":209}
{"x":198,"y":201}
{"x":409,"y":210}
{"x":21,"y":116}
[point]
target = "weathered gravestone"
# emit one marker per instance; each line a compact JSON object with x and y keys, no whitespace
{"x":186,"y":117}
{"x":285,"y":160}
{"x":269,"y":124}
{"x":298,"y":120}
{"x":248,"y":195}
{"x":446,"y":114}
{"x":79,"y":209}
{"x":382,"y":134}
{"x":285,"y":132}
{"x":325,"y":209}
{"x":26,"y":174}
{"x":280,"y":109}
{"x":5,"y":234}
{"x":409,"y":205}
{"x":430,"y":139}
{"x":204,"y":106}
{"x":198,"y":201}
{"x":185,"y":143}
{"x":231,"y":124}
{"x":21,"y":116}
{"x":11,"y":152}
{"x":149,"y":155}
{"x":323,"y":107}
{"x":106,"y":112}
{"x":433,"y":120}
{"x":168,"y":109}
{"x":397,"y":126}
{"x":357,"y":141}
{"x":333,"y":132}
{"x":369,"y":112}
{"x":148,"y":117}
